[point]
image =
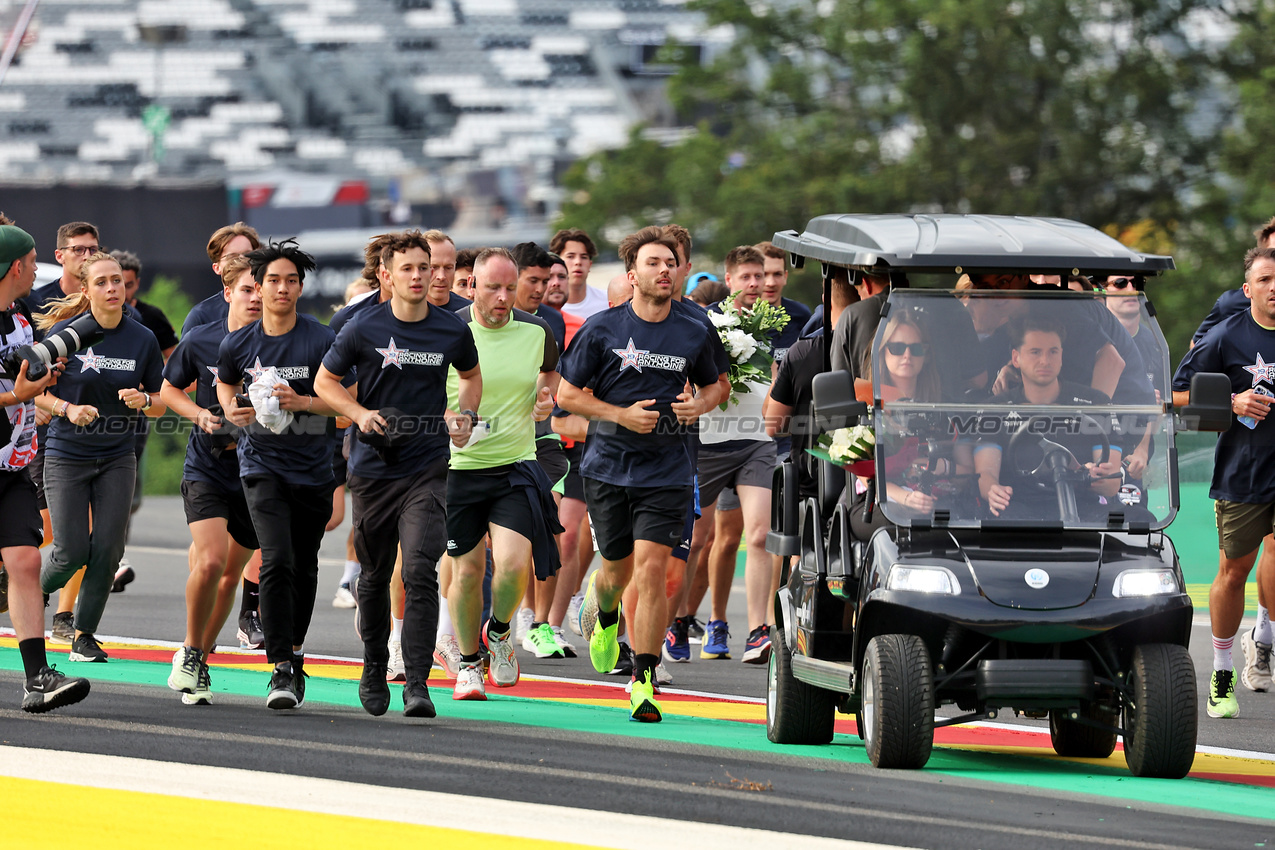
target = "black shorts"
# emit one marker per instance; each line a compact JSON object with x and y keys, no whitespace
{"x":21,"y":525}
{"x":340,"y":464}
{"x":552,"y":458}
{"x":205,"y":500}
{"x":574,"y":485}
{"x":621,"y":515}
{"x":479,"y":497}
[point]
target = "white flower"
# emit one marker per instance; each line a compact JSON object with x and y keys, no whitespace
{"x":723,"y":320}
{"x":739,"y":345}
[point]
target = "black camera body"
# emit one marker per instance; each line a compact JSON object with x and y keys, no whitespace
{"x":83,"y":332}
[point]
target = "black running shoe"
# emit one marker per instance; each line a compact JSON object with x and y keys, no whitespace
{"x":416,"y":701}
{"x":250,"y":634}
{"x":624,"y":667}
{"x":281,"y":694}
{"x":49,"y":689}
{"x":298,"y":678}
{"x":374,"y":693}
{"x":86,"y":648}
{"x":63,"y":629}
{"x":123,"y":577}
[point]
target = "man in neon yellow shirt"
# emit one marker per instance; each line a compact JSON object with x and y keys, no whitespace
{"x":495,"y":487}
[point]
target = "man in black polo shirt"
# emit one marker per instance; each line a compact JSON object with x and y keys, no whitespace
{"x":638,"y":467}
{"x":401,"y":351}
{"x":1037,"y":354}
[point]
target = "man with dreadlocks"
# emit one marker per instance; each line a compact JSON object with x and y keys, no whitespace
{"x":285,"y":453}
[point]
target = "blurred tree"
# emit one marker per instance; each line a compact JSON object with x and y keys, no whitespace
{"x":1087,"y":109}
{"x":166,"y":446}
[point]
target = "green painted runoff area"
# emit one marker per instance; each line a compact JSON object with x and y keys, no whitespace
{"x":1028,"y":771}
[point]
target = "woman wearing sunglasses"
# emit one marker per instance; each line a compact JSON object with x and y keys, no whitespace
{"x":908,"y":372}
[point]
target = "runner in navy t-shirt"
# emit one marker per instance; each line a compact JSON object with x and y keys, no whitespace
{"x":638,"y":468}
{"x":1242,"y":347}
{"x":287,"y":476}
{"x":401,"y":351}
{"x":221,"y":531}
{"x":90,"y":466}
{"x":226,"y":242}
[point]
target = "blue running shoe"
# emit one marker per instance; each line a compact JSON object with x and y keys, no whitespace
{"x":716,"y":635}
{"x":676,"y":645}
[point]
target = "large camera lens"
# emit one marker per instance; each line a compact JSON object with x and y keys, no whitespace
{"x":80,"y":334}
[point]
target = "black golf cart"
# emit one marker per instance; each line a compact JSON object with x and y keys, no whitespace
{"x":1006,"y":555}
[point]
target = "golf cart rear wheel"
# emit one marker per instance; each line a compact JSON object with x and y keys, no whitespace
{"x":1078,"y":740}
{"x":796,"y":713}
{"x":898,"y":702}
{"x":1160,"y":719}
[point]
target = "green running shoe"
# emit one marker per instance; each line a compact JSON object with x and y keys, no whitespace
{"x":604,"y":646}
{"x":1222,"y":701}
{"x":642,"y":705}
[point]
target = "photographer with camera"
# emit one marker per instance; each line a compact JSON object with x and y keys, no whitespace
{"x":20,"y":535}
{"x":89,"y":463}
{"x":221,"y":530}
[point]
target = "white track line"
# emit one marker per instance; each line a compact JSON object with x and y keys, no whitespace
{"x":424,"y":808}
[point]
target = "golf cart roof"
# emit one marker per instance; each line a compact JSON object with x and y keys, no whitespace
{"x":965,"y":243}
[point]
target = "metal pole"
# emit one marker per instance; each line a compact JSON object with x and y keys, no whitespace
{"x":15,"y":37}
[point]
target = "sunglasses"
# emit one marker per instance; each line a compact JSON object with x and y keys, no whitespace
{"x":1121,"y":283}
{"x":917,"y":349}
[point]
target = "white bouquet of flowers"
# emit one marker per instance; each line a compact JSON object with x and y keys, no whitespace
{"x":849,"y":445}
{"x":746,"y":337}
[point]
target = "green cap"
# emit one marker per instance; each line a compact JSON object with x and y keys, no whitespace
{"x":15,"y":243}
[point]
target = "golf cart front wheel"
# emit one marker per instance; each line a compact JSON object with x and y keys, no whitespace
{"x":897,"y":702}
{"x":1160,"y":718}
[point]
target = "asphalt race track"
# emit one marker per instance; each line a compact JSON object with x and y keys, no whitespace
{"x":552,"y":761}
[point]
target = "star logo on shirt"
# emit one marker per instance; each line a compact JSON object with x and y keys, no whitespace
{"x":630,"y":356}
{"x":213,"y":369}
{"x":255,"y":370}
{"x":1261,"y":371}
{"x":391,"y":355}
{"x":91,"y":361}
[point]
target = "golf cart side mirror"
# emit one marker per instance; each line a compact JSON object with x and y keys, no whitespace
{"x":834,"y":403}
{"x":1209,"y":408}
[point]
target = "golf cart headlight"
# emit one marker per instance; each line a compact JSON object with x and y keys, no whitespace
{"x":1144,"y":583}
{"x":922,"y":579}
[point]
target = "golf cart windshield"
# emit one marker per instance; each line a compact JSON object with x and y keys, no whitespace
{"x":1032,"y":408}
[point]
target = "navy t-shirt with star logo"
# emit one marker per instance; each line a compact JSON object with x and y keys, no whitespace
{"x":195,"y":361}
{"x":1244,"y":462}
{"x":302,"y":454}
{"x":128,"y":357}
{"x":403,"y":365}
{"x":625,"y":359}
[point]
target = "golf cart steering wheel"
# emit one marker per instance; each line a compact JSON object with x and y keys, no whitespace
{"x":1058,"y":461}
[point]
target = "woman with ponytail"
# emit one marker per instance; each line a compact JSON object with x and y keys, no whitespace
{"x":90,"y":465}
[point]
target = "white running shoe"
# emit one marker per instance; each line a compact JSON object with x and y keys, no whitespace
{"x":203,"y":691}
{"x":573,"y":613}
{"x":344,"y":598}
{"x":187,"y":662}
{"x":469,"y":682}
{"x":1256,"y":674}
{"x":662,"y":675}
{"x":568,"y":649}
{"x":523,"y":618}
{"x":395,"y":671}
{"x":447,"y":655}
{"x":503,"y":669}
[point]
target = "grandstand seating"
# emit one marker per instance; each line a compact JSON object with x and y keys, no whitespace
{"x":360,"y":88}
